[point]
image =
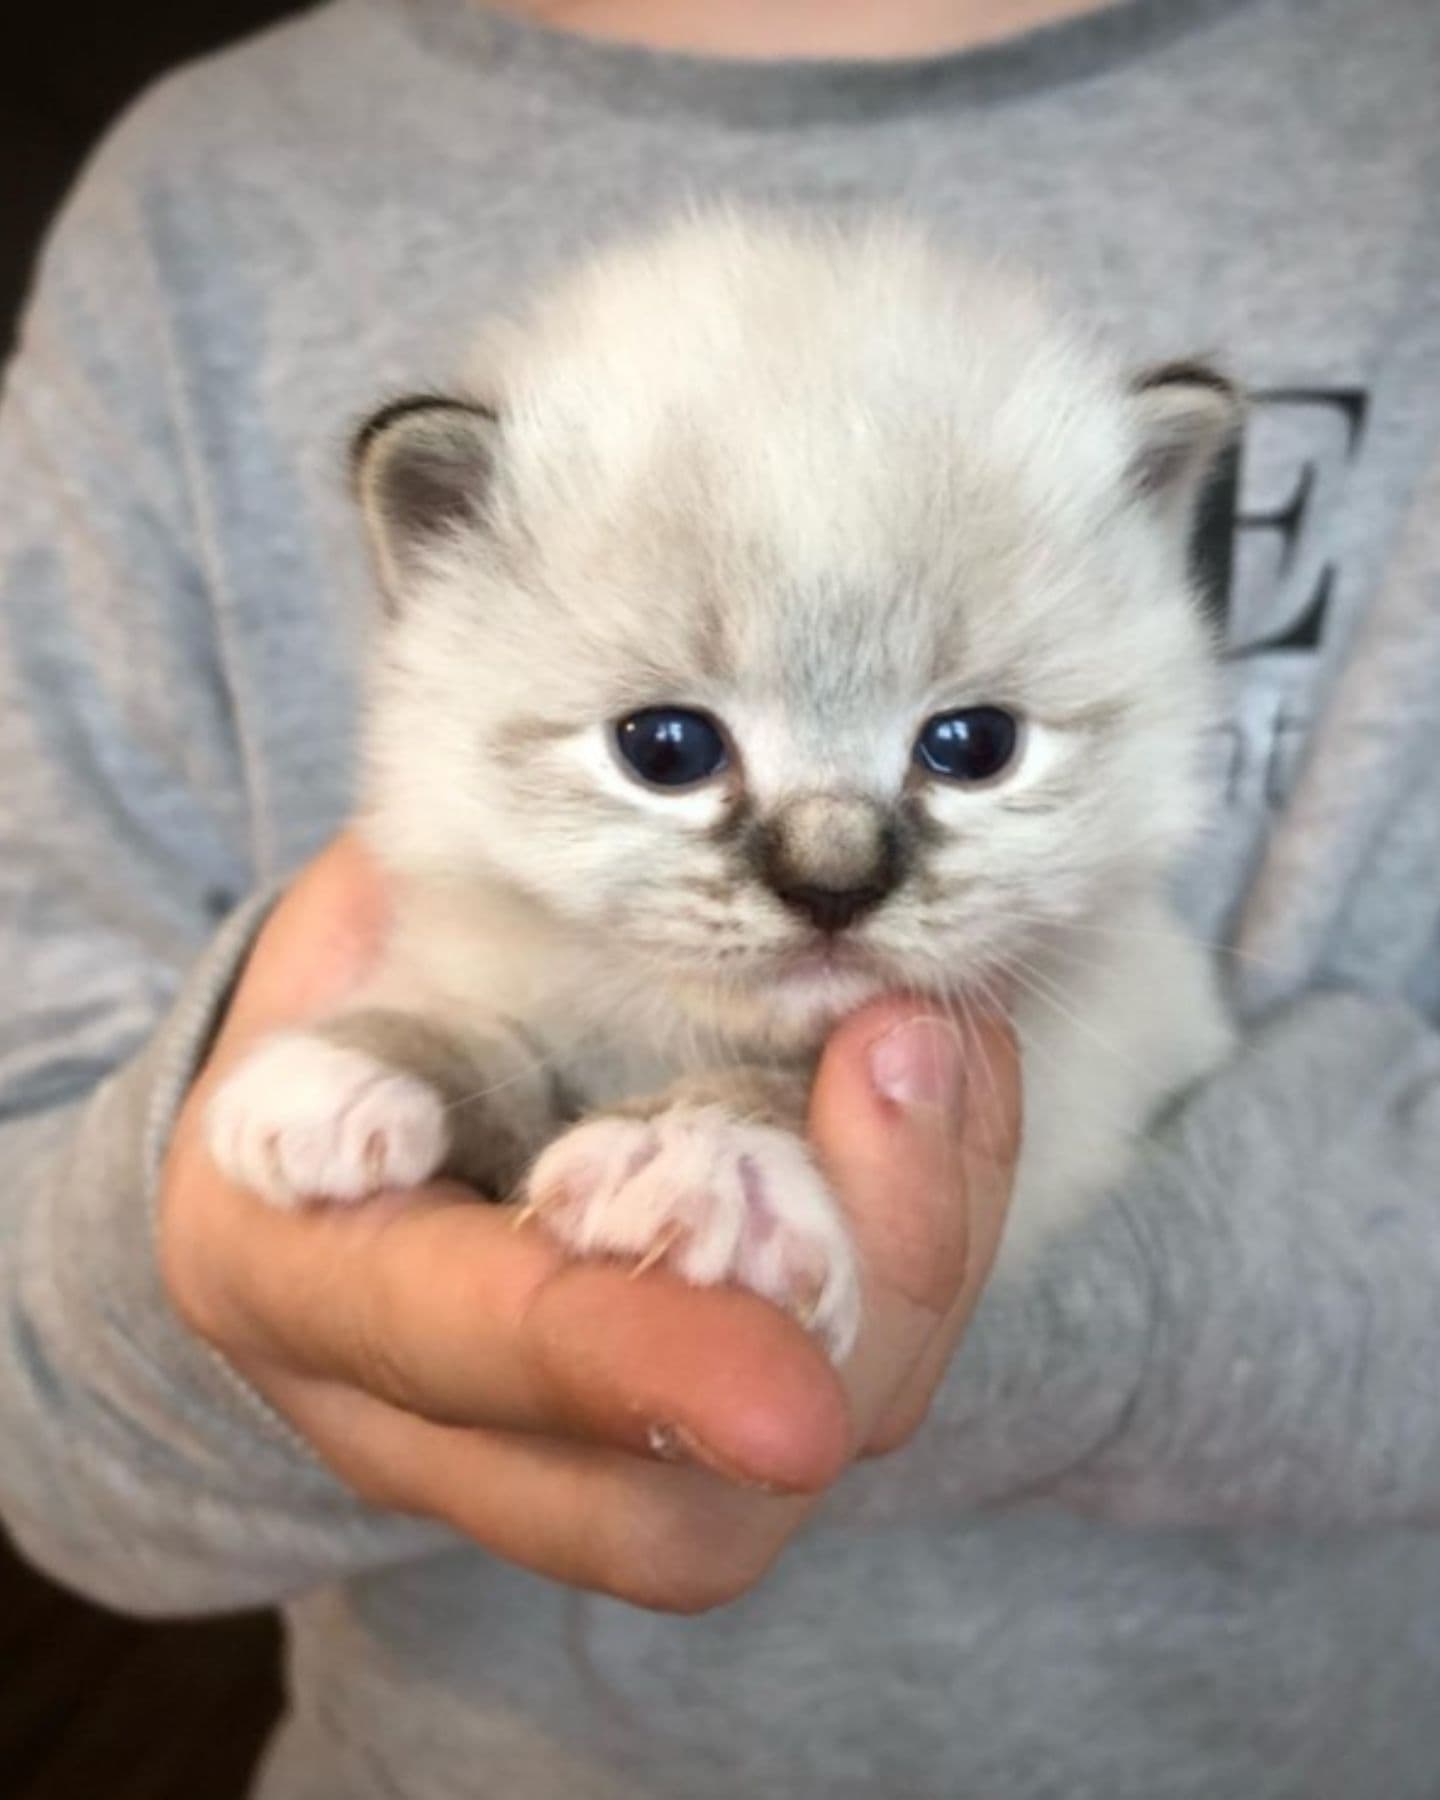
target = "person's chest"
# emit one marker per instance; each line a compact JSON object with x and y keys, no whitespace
{"x":1275,"y":217}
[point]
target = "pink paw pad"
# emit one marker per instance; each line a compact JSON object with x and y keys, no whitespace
{"x":712,"y":1197}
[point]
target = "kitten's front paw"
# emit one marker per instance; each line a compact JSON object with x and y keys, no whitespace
{"x":712,"y":1197}
{"x":303,"y":1119}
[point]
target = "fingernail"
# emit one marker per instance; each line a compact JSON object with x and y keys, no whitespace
{"x":920,"y":1063}
{"x":674,"y":1444}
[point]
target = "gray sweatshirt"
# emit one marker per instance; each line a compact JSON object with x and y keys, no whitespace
{"x":1170,"y":1534}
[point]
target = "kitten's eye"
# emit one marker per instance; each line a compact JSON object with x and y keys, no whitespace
{"x":671,"y":747}
{"x":972,"y":744}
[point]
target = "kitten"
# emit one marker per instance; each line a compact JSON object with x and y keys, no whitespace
{"x":784,"y":615}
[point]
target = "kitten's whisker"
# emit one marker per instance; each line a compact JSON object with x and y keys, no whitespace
{"x":955,"y":1004}
{"x":987,"y":994}
{"x":537,"y":1065}
{"x":495,"y":1087}
{"x":1037,"y":1050}
{"x":1043,"y":988}
{"x":987,"y":1068}
{"x":1144,"y":934}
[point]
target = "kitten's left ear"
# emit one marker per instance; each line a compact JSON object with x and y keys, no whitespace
{"x":1186,"y":417}
{"x":422,"y":468}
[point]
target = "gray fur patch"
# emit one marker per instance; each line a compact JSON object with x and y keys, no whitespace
{"x":504,"y":1103}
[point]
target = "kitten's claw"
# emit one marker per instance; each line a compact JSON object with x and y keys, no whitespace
{"x":303,"y":1119}
{"x":714,"y":1198}
{"x":665,"y":1242}
{"x":375,"y":1149}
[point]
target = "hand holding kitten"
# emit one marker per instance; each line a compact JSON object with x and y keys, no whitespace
{"x":447,"y":1364}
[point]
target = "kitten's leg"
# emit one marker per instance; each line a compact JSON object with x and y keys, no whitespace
{"x":713,"y":1179}
{"x":378,"y":1098}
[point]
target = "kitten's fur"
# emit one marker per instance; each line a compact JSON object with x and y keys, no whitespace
{"x":822,"y":484}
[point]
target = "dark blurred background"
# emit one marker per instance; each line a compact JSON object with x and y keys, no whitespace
{"x":93,"y":1707}
{"x":66,"y":71}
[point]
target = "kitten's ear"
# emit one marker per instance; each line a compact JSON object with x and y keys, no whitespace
{"x":1186,"y":416}
{"x":421,"y":467}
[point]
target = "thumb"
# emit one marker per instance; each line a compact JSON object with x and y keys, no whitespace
{"x":915,"y":1117}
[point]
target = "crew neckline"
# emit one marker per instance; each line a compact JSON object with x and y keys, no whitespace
{"x":634,"y":79}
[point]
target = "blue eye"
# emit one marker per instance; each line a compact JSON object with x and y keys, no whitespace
{"x":671,"y":747}
{"x":973,"y":744}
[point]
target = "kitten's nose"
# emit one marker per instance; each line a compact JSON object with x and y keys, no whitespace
{"x":831,"y":909}
{"x":831,"y":857}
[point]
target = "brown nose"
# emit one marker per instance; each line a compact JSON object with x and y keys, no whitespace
{"x":831,"y":909}
{"x":830,"y":857}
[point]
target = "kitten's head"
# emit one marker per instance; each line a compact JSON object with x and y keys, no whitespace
{"x":798,"y":613}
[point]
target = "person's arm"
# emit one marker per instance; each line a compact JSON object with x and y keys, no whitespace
{"x":124,"y":842}
{"x":1250,"y":1335}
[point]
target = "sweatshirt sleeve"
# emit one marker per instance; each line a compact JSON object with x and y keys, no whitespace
{"x":132,"y":1464}
{"x":1250,"y":1335}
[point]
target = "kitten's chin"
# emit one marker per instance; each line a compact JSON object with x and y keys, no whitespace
{"x":812,"y":995}
{"x":793,"y":999}
{"x":804,"y":992}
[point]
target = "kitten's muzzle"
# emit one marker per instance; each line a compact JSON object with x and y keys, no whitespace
{"x":832,"y":858}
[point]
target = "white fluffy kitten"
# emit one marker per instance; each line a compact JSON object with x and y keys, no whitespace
{"x":783,"y":615}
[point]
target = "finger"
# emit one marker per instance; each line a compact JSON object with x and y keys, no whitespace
{"x":915,"y":1116}
{"x":323,"y":938}
{"x":667,"y":1537}
{"x":905,"y":1409}
{"x":439,"y":1306}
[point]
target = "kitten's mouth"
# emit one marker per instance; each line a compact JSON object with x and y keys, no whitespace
{"x":825,"y":958}
{"x":826,"y":979}
{"x":802,"y":990}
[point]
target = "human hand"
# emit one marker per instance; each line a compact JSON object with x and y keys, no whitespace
{"x":605,"y":1431}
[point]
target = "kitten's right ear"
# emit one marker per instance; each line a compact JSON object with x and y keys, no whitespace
{"x":1186,"y":416}
{"x":422,"y":468}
